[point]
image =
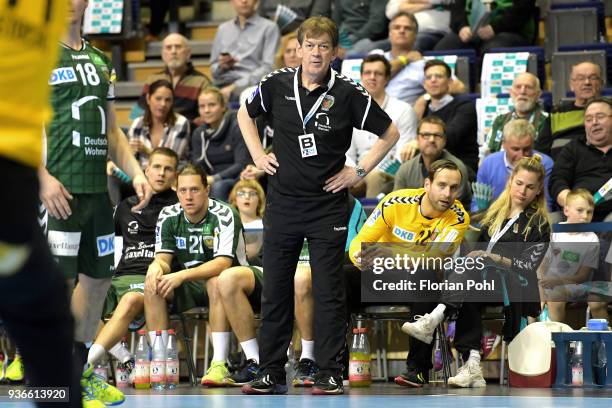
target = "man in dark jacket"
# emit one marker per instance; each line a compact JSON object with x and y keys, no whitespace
{"x":458,"y":114}
{"x":585,"y":162}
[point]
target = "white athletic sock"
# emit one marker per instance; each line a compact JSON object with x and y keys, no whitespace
{"x":220,"y":341}
{"x":251,"y":349}
{"x":307,"y":350}
{"x":120,"y":352}
{"x":96,"y":352}
{"x":153,"y":334}
{"x":475,"y":356}
{"x":438,"y":312}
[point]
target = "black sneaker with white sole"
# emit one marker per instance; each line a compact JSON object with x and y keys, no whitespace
{"x":264,"y":384}
{"x":327,"y":384}
{"x":306,"y":371}
{"x":247,"y":374}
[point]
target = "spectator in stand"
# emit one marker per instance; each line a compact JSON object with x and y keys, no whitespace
{"x":250,"y":200}
{"x":287,"y":52}
{"x":179,"y":71}
{"x":407,"y":76}
{"x":431,"y":139}
{"x":459,"y":115}
{"x":510,"y":24}
{"x":160,"y":126}
{"x":495,"y":169}
{"x":584,"y":162}
{"x":375,"y":74}
{"x":525,"y":93}
{"x":243,"y":50}
{"x":303,"y":9}
{"x":433,"y":17}
{"x":362,"y":25}
{"x":566,"y":271}
{"x":567,"y":119}
{"x":217,"y":146}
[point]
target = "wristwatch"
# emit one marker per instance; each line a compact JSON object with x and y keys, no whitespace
{"x":361,"y":173}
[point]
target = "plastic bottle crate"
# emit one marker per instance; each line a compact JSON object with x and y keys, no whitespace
{"x":562,"y":341}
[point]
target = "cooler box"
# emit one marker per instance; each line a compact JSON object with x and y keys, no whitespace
{"x":531,"y":356}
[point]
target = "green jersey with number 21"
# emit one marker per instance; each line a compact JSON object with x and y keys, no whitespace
{"x":218,"y":234}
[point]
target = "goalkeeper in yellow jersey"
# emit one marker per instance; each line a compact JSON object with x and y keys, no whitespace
{"x":427,"y":220}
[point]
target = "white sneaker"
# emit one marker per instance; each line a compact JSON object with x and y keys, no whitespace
{"x":468,"y":376}
{"x":422,"y":329}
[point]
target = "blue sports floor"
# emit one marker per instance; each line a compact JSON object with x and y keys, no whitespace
{"x":379,"y":395}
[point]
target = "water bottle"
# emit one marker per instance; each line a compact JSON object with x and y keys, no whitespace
{"x":122,"y":376}
{"x":100,"y":367}
{"x":290,"y":365}
{"x":158,"y":363}
{"x":360,"y":358}
{"x":172,"y":362}
{"x":600,"y":362}
{"x":142,"y":366}
{"x":577,"y":365}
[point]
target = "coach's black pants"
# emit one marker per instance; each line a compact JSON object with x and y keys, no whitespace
{"x":33,"y":301}
{"x":323,"y":222}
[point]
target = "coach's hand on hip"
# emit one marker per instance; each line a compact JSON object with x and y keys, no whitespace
{"x":347,"y":177}
{"x":267,"y":163}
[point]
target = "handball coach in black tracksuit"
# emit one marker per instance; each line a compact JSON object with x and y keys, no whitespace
{"x":314,"y":110}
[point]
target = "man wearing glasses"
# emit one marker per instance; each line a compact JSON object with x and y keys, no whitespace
{"x":567,"y":119}
{"x":584,"y":162}
{"x":431,"y":140}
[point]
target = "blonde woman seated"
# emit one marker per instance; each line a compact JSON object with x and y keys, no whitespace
{"x":516,"y":231}
{"x":217,"y":145}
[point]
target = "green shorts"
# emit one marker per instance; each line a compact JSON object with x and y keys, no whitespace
{"x":255,"y":296}
{"x":121,"y":285}
{"x":84,"y":243}
{"x":189,"y":295}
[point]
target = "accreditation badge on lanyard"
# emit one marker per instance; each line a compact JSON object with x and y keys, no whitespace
{"x":308,"y":145}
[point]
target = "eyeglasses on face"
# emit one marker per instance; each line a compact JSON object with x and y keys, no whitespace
{"x":245,"y":193}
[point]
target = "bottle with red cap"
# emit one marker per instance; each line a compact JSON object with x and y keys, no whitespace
{"x":360,"y":358}
{"x":142,"y":379}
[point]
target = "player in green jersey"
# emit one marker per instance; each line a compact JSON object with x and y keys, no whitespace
{"x":205,"y":236}
{"x":82,"y":133}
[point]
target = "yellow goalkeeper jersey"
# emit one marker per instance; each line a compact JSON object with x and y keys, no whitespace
{"x":397,"y":219}
{"x":29,"y":35}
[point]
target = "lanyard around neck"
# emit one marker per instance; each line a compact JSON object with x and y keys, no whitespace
{"x":316,"y":105}
{"x":500,"y":233}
